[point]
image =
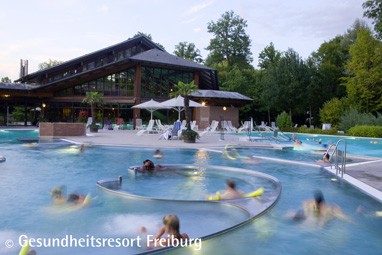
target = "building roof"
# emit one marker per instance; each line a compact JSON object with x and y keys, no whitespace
{"x":162,"y":57}
{"x":113,"y":59}
{"x":218,"y":94}
{"x":127,"y":43}
{"x":16,"y":86}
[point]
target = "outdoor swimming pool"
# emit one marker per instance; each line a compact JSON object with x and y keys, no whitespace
{"x":31,"y":172}
{"x":355,"y":145}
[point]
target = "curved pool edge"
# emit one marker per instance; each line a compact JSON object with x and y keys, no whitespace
{"x":252,"y":206}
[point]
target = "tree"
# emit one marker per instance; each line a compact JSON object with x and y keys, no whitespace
{"x":283,"y":121}
{"x":148,"y":36}
{"x":373,"y":10}
{"x":188,"y":51}
{"x":50,"y":63}
{"x":269,"y":91}
{"x":239,"y":80}
{"x":93,"y":99}
{"x":284,"y":84}
{"x":269,"y":56}
{"x":327,"y":69}
{"x":185,"y":89}
{"x":364,"y":83}
{"x":332,"y":111}
{"x":230,"y":42}
{"x":6,"y":79}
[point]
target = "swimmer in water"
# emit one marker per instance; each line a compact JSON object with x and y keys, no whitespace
{"x":158,"y":154}
{"x":317,"y":208}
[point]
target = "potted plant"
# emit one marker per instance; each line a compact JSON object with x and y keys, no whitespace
{"x":82,"y":116}
{"x":93,"y":99}
{"x":185,"y":89}
{"x":189,"y":136}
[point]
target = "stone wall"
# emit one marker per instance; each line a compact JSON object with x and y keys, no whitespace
{"x":62,"y":129}
{"x":205,"y":115}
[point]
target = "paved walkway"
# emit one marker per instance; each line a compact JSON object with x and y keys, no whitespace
{"x":366,"y":175}
{"x":129,"y":137}
{"x":367,"y":172}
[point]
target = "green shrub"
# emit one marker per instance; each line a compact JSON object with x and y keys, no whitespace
{"x":332,"y":111}
{"x":378,"y":119}
{"x":332,"y":131}
{"x":190,"y":134}
{"x":283,"y":121}
{"x":352,"y":118}
{"x":366,"y":131}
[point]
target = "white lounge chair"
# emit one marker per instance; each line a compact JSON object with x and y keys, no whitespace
{"x":149,"y":129}
{"x":193,"y":125}
{"x":183,"y":125}
{"x":89,"y":122}
{"x":138,"y":124}
{"x":211,"y":129}
{"x":173,"y":132}
{"x":224,"y":125}
{"x":231,"y":127}
{"x":244,"y":127}
{"x":166,"y":135}
{"x":160,"y":126}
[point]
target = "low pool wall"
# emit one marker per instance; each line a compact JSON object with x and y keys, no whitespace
{"x":61,"y":129}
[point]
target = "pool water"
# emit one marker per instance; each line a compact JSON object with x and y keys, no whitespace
{"x":354,"y":145}
{"x":31,"y":172}
{"x":11,"y":136}
{"x":190,"y":182}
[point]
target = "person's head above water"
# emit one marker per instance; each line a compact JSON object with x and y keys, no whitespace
{"x":148,"y":165}
{"x":318,"y":197}
{"x":231,"y":184}
{"x":171,"y":222}
{"x":58,"y":192}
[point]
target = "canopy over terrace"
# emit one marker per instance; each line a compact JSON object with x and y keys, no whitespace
{"x":219,"y":97}
{"x":151,"y":106}
{"x":220,"y":105}
{"x":177,"y":103}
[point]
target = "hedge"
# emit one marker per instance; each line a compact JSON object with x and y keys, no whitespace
{"x":332,"y":131}
{"x":366,"y":131}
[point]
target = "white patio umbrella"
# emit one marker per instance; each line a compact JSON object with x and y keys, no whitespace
{"x":151,"y":106}
{"x":177,"y":103}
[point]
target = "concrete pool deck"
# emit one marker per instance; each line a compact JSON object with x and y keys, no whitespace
{"x":130,"y":138}
{"x":365,"y":175}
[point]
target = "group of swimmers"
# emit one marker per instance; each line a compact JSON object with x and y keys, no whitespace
{"x":59,"y":197}
{"x":171,"y":223}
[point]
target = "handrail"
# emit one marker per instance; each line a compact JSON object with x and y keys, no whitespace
{"x":340,"y":157}
{"x":334,"y":150}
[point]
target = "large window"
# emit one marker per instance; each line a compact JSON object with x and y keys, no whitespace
{"x":118,"y":84}
{"x":159,"y":82}
{"x":156,"y":83}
